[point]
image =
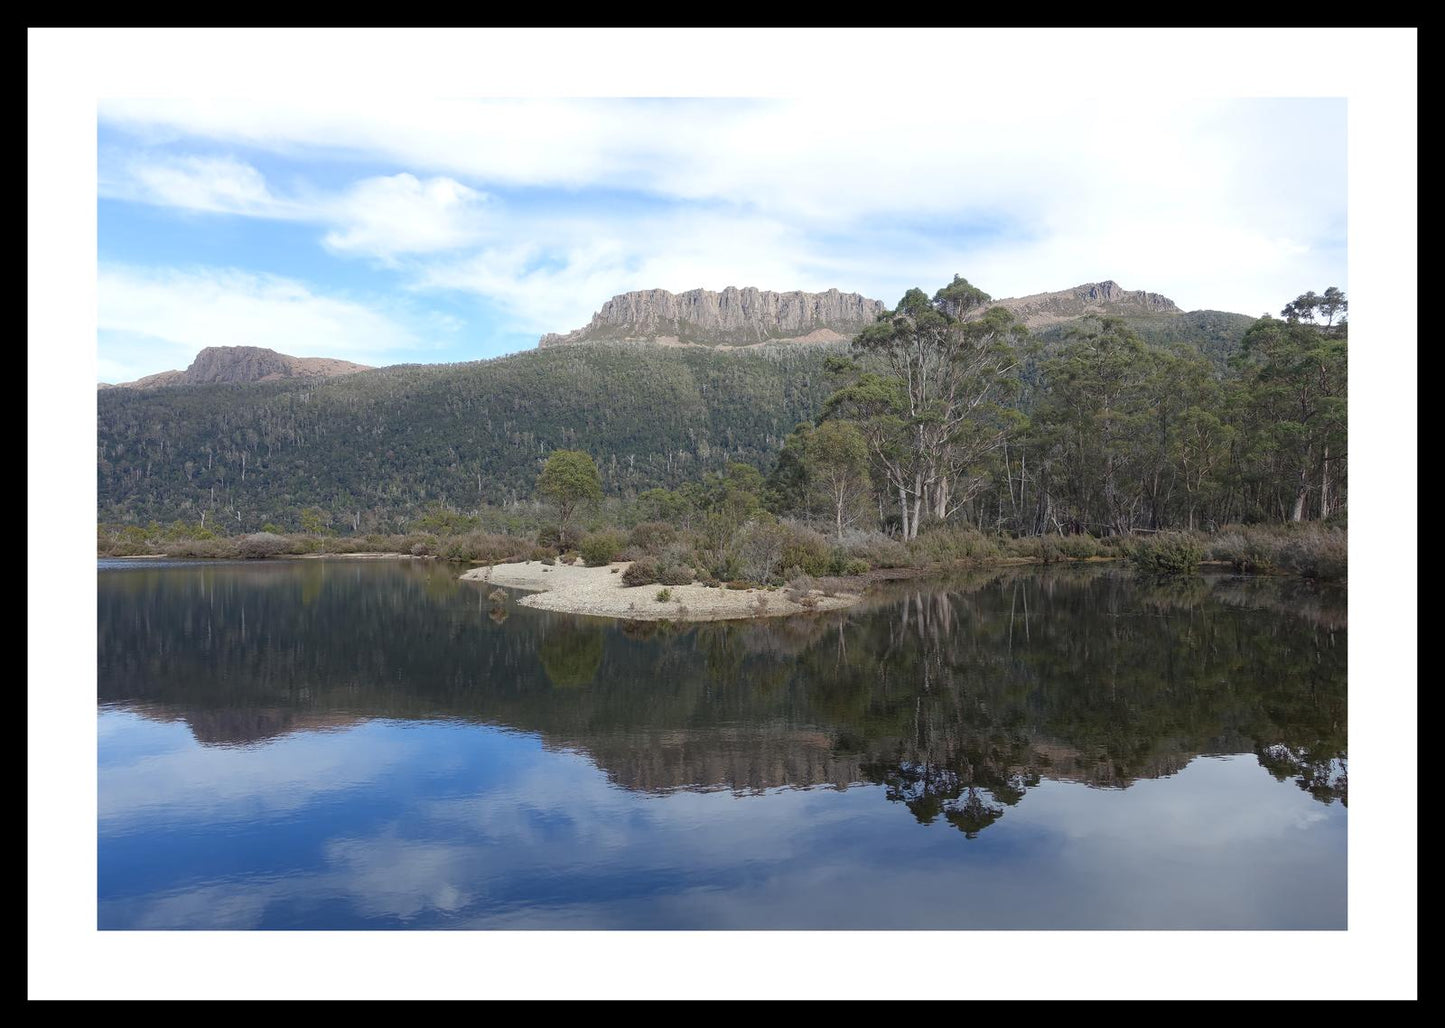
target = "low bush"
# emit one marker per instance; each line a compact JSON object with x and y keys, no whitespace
{"x":602,"y":547}
{"x":210,"y":548}
{"x":663,"y":595}
{"x":1168,"y":553}
{"x":261,"y":544}
{"x":652,"y":535}
{"x":806,"y":550}
{"x":640,"y":572}
{"x":487,"y":548}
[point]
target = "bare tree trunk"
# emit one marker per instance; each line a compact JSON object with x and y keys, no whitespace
{"x":1325,"y":485}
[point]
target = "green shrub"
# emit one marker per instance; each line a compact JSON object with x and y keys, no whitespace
{"x":947,"y":543}
{"x":674,"y":574}
{"x":663,"y":595}
{"x":652,"y":535}
{"x":559,"y":539}
{"x":806,"y":550}
{"x":855,"y":566}
{"x":880,"y":551}
{"x":1168,"y":553}
{"x":486,"y":548}
{"x":599,"y":548}
{"x":640,"y":572}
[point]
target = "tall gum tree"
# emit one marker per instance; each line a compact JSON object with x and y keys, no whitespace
{"x":929,"y":397}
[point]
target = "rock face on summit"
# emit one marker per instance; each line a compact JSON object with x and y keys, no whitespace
{"x":244,"y":364}
{"x":733,"y":317}
{"x":1107,"y":298}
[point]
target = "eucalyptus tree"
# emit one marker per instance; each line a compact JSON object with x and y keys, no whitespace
{"x":929,"y":396}
{"x":569,"y":480}
{"x":1294,"y":383}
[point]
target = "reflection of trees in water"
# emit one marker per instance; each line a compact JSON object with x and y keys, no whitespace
{"x":929,"y":791}
{"x":957,"y":697}
{"x":1323,"y":773}
{"x":571,"y":654}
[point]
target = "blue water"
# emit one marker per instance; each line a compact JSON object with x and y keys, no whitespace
{"x":374,"y":751}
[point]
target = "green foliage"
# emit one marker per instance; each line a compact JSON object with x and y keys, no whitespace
{"x":569,"y":481}
{"x":486,"y":548}
{"x":652,"y":535}
{"x":663,"y":595}
{"x":805,"y":550}
{"x":375,"y":450}
{"x":602,"y":547}
{"x":1168,"y":553}
{"x":438,"y":518}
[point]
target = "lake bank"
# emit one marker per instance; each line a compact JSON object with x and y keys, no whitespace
{"x":574,"y":589}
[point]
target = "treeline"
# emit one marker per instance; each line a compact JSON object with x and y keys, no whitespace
{"x":935,"y":420}
{"x":934,"y":417}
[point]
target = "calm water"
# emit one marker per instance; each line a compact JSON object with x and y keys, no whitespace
{"x":323,"y":745}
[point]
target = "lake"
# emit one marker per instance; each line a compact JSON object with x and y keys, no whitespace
{"x":318,"y":744}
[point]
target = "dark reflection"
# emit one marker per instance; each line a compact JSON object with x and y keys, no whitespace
{"x":957,"y":697}
{"x":571,"y":654}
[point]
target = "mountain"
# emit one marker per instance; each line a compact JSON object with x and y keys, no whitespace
{"x":733,"y":317}
{"x":233,"y":364}
{"x":375,"y":450}
{"x":379,"y":447}
{"x":1040,"y":310}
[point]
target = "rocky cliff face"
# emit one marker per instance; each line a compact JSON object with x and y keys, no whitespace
{"x":1106,"y":298}
{"x":733,"y":317}
{"x":243,"y":364}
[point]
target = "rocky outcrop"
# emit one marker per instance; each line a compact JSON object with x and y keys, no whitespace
{"x":1105,"y":298}
{"x":232,"y":364}
{"x":733,"y":317}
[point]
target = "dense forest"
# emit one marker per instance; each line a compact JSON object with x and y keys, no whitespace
{"x":372,"y":451}
{"x":934,"y":415}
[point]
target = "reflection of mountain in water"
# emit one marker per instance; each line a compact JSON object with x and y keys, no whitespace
{"x":956,"y":698}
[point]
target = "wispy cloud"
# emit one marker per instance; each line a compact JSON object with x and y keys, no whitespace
{"x":381,"y":216}
{"x":545,"y":208}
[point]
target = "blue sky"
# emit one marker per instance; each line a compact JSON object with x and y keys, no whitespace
{"x":451,"y":230}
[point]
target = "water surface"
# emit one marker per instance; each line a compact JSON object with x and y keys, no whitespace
{"x":332,"y":745}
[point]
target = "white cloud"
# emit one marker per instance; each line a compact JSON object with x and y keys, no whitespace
{"x":217,"y":184}
{"x":381,"y":217}
{"x":160,"y":318}
{"x":1231,"y":204}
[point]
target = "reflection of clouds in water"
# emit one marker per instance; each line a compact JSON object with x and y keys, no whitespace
{"x":564,"y":799}
{"x":548,"y":842}
{"x":1203,"y":806}
{"x":388,"y":876}
{"x":225,"y":784}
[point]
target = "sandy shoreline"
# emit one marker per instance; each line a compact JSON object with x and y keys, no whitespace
{"x":574,"y":589}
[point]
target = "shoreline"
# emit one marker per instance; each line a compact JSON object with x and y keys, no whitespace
{"x":574,"y":589}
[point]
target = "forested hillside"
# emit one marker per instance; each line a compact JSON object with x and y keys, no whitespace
{"x":373,"y":449}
